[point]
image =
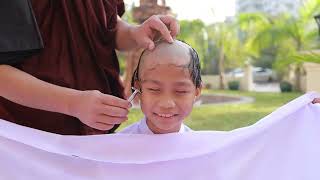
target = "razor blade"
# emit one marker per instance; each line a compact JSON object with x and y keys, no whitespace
{"x":133,"y":95}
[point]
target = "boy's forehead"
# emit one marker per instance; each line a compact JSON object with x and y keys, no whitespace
{"x":176,"y":53}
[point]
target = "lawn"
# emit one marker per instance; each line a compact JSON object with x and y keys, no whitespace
{"x":229,"y":116}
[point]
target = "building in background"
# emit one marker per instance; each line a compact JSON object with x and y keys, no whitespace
{"x":272,"y":7}
{"x":148,"y":8}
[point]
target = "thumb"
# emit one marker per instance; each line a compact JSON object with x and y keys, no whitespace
{"x":147,"y":43}
{"x":151,"y":45}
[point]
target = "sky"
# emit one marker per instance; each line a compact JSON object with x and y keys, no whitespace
{"x":208,"y":11}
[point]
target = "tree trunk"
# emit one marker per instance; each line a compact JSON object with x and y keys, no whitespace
{"x":298,"y":71}
{"x":221,"y":67}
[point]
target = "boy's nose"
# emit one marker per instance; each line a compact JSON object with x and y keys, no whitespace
{"x":167,"y":103}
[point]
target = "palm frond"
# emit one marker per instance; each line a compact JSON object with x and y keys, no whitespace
{"x":309,"y":56}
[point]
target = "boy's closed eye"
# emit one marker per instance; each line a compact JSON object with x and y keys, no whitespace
{"x":153,"y":89}
{"x":158,"y":90}
{"x":182,"y":91}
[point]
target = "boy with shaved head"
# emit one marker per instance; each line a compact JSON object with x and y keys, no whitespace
{"x":169,"y":81}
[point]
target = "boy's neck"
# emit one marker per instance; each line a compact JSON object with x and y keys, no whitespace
{"x":156,"y":130}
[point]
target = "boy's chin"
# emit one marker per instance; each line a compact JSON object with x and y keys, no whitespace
{"x":164,"y":129}
{"x":160,"y":125}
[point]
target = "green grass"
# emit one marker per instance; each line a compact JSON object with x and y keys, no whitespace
{"x":229,"y":116}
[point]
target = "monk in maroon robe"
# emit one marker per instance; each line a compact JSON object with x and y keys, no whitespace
{"x":72,"y":86}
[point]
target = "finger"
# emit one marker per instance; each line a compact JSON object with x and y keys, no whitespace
{"x":159,"y":26}
{"x":316,"y":100}
{"x":172,"y":23}
{"x":147,"y":43}
{"x":102,"y":126}
{"x":115,"y":101}
{"x":113,"y":111}
{"x":110,"y":119}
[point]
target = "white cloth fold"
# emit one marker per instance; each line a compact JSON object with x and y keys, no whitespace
{"x":284,"y":145}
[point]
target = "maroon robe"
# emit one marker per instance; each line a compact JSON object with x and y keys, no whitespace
{"x":79,"y":43}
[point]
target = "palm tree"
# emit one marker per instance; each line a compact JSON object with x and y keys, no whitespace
{"x":265,"y":31}
{"x":225,"y":39}
{"x":193,"y":32}
{"x":285,"y":34}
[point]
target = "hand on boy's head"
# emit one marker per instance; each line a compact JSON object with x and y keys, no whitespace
{"x":165,"y":25}
{"x":316,"y":100}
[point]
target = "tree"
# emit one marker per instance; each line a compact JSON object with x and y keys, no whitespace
{"x":226,"y":41}
{"x":194,"y":33}
{"x":283,"y":36}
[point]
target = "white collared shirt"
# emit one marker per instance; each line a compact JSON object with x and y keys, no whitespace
{"x":141,"y":127}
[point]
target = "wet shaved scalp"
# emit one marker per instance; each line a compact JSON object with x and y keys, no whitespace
{"x":177,"y":53}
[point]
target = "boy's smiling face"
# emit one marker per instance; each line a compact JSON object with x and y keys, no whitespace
{"x":168,"y":92}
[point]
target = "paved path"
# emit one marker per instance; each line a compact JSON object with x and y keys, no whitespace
{"x":266,"y":87}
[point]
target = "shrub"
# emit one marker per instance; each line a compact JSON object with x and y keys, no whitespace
{"x":207,"y":86}
{"x":234,"y":85}
{"x":285,"y":86}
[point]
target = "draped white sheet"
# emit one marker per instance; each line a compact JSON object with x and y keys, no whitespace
{"x":284,"y":145}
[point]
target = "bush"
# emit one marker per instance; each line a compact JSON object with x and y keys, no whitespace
{"x":207,"y":86}
{"x":234,"y":85}
{"x":285,"y":86}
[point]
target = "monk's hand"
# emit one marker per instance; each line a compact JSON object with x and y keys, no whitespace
{"x":165,"y":26}
{"x":316,"y":100}
{"x":98,"y":110}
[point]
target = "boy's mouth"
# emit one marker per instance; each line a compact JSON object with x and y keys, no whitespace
{"x":163,"y":115}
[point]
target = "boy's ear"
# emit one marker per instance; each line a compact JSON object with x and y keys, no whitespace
{"x":137,"y":86}
{"x":198,"y":91}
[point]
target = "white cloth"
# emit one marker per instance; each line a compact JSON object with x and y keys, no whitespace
{"x":284,"y":145}
{"x":141,"y":127}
